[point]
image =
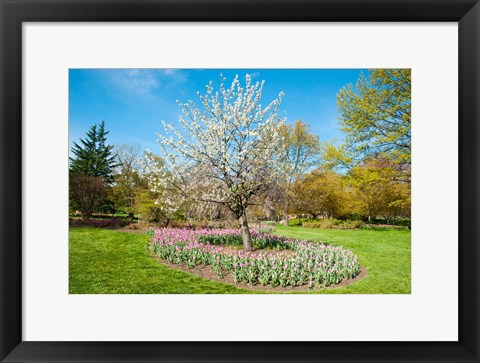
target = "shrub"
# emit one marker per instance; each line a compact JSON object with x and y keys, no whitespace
{"x":403,"y":222}
{"x":135,"y":226}
{"x":333,"y":224}
{"x":353,"y":216}
{"x":216,"y":224}
{"x":406,"y":222}
{"x":383,"y":227}
{"x":295,"y":222}
{"x":323,"y":223}
{"x":100,"y":223}
{"x":315,"y":264}
{"x":353,"y":224}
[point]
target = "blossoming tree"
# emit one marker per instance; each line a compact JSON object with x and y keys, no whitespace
{"x":231,"y":139}
{"x":160,"y":199}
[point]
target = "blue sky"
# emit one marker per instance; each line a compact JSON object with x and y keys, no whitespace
{"x":133,"y":102}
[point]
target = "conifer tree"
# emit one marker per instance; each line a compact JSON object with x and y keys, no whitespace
{"x":93,"y":156}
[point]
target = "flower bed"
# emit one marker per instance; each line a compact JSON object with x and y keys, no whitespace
{"x":315,"y":264}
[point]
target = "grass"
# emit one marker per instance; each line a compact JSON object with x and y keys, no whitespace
{"x":106,"y":261}
{"x":386,"y":254}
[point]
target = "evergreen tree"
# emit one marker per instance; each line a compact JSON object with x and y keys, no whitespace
{"x":94,"y":156}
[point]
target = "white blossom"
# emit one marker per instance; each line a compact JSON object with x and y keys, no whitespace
{"x":223,"y":151}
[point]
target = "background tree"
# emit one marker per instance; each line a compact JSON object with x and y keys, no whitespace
{"x":233,"y":138}
{"x":94,"y":156}
{"x":91,"y":172}
{"x":321,"y":193}
{"x":338,"y":158}
{"x":395,"y":201}
{"x":154,"y":207}
{"x":377,"y":189}
{"x":155,"y":200}
{"x":266,"y":204}
{"x":376,"y":114}
{"x":298,"y":152}
{"x":127,"y":177}
{"x":87,"y":193}
{"x":146,"y":208}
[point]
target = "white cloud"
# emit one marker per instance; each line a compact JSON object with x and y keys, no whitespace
{"x":136,"y":81}
{"x":144,"y":82}
{"x":174,"y":75}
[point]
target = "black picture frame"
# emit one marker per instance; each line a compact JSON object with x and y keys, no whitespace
{"x":14,"y":12}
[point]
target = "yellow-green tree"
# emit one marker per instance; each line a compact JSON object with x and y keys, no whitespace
{"x":375,"y":114}
{"x":298,"y":152}
{"x":321,"y":193}
{"x":157,"y":202}
{"x":127,"y":178}
{"x":146,"y":207}
{"x":379,"y":188}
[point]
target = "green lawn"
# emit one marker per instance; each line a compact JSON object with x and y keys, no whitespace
{"x":386,"y":254}
{"x":105,"y":261}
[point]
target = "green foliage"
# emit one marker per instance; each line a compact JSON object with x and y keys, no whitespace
{"x":378,"y":186}
{"x":94,"y":156}
{"x":100,"y":223}
{"x":236,"y":241}
{"x":299,"y":148}
{"x":381,"y":187}
{"x":337,"y":157}
{"x":91,"y":173}
{"x":376,"y":114}
{"x":406,"y":222}
{"x":147,"y":208}
{"x":383,"y":227}
{"x":128,"y":177}
{"x":299,"y":151}
{"x":332,"y":223}
{"x":157,"y":202}
{"x":296,"y":221}
{"x":321,"y":193}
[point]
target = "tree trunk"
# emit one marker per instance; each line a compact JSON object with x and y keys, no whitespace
{"x":285,"y":214}
{"x":246,"y":236}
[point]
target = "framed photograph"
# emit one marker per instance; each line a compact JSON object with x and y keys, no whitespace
{"x":239,"y":181}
